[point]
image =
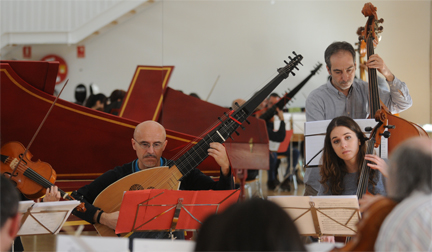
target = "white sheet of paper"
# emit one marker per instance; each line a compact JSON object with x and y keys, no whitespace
{"x":345,"y":214}
{"x":52,"y":215}
{"x":70,"y":243}
{"x":153,"y":245}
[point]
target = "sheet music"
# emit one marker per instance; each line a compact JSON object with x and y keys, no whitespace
{"x":47,"y":215}
{"x":343,"y":209}
{"x":339,"y":219}
{"x":296,"y":206}
{"x":70,"y":243}
{"x":315,"y":135}
{"x":153,"y":245}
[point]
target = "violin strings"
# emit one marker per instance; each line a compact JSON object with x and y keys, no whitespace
{"x":31,"y":174}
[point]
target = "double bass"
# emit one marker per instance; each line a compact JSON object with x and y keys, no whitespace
{"x":401,"y":128}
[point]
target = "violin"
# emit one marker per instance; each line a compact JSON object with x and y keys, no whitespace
{"x":31,"y":178}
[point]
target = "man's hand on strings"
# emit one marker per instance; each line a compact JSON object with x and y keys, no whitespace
{"x":109,"y":219}
{"x":218,"y":152}
{"x":375,"y":61}
{"x":377,"y":164}
{"x":52,"y":194}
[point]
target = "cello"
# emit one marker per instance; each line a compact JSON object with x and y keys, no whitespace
{"x":401,"y":128}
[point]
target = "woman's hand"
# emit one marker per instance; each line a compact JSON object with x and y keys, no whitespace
{"x":377,"y":164}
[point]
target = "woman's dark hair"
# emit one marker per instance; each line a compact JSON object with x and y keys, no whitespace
{"x":253,"y":225}
{"x":333,"y":168}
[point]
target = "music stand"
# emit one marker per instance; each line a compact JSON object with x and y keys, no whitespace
{"x":170,"y":210}
{"x":44,"y":217}
{"x":322,"y":215}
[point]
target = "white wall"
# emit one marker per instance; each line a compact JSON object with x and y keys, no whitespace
{"x":244,"y":42}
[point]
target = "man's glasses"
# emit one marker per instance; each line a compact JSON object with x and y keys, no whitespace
{"x":146,"y":146}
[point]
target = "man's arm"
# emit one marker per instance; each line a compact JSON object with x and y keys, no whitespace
{"x":398,"y":99}
{"x":91,"y":191}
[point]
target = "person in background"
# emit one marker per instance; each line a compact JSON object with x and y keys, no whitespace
{"x":80,"y":94}
{"x":114,"y":101}
{"x":253,"y":225}
{"x":285,"y":184}
{"x":96,"y":101}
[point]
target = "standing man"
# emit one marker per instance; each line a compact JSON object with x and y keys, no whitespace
{"x":344,"y":95}
{"x":149,"y":142}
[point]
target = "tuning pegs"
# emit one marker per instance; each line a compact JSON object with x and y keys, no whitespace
{"x":220,"y":119}
{"x":381,"y":20}
{"x":386,"y":134}
{"x":231,"y":138}
{"x":247,"y":121}
{"x":390,"y":126}
{"x":368,"y":129}
{"x":238,"y":134}
{"x":380,"y":29}
{"x":242,"y":127}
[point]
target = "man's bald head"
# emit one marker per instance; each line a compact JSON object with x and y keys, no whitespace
{"x":151,"y":126}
